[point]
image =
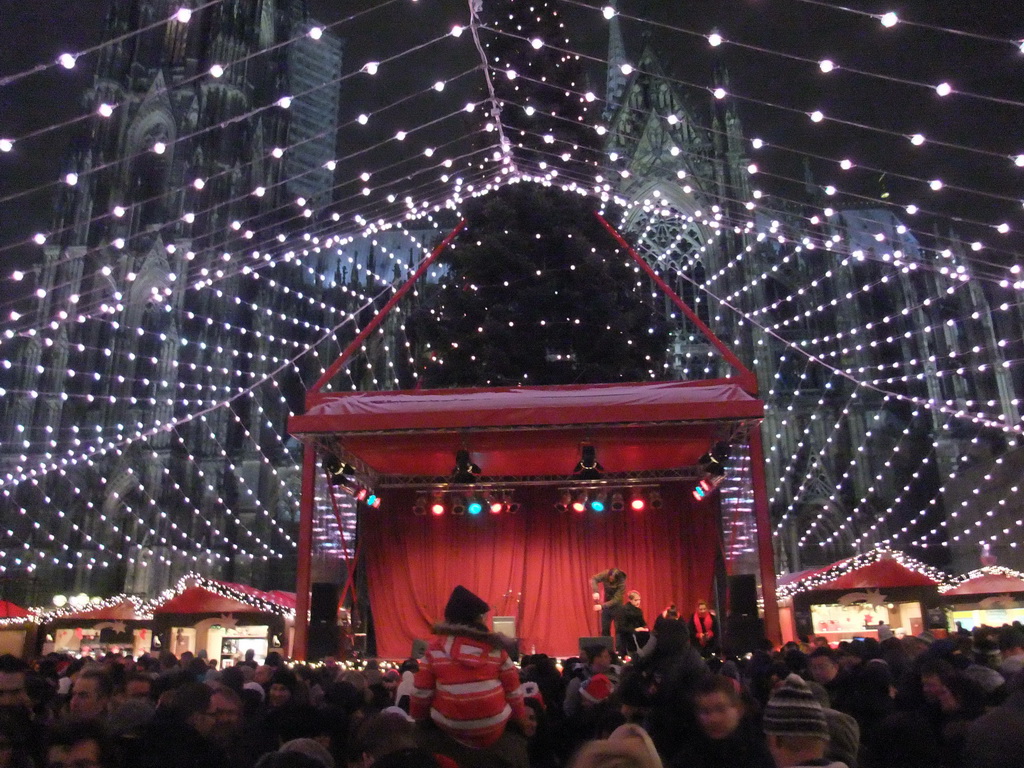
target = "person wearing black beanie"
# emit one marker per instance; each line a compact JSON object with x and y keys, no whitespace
{"x":467,"y":690}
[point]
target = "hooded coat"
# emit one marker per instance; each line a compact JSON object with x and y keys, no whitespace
{"x":468,"y":685}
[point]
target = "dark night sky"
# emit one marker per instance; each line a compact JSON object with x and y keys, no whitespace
{"x":37,"y":32}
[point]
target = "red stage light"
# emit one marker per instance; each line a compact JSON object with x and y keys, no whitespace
{"x":637,"y":504}
{"x":579,"y":506}
{"x":496,"y":507}
{"x":437,"y":509}
{"x":361,"y":494}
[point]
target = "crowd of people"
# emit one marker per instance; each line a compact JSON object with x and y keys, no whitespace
{"x":467,"y":703}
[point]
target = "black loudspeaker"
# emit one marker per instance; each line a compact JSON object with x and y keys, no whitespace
{"x":607,"y":642}
{"x":323,"y":603}
{"x":743,"y":595}
{"x":743,"y":635}
{"x":324,"y":640}
{"x":419,"y":649}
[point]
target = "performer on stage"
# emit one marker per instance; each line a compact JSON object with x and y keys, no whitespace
{"x":704,"y":628}
{"x":631,"y":618}
{"x":614,"y":581}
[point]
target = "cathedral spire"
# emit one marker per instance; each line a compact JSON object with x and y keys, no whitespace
{"x":616,"y":84}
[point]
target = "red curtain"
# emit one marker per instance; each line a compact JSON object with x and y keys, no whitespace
{"x":534,"y":566}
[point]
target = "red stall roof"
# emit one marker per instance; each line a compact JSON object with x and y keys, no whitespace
{"x":9,"y":610}
{"x":196,"y":594}
{"x":530,"y":430}
{"x":987,"y":580}
{"x":878,"y":569}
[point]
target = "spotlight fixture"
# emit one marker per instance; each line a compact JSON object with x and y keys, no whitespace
{"x":637,"y":503}
{"x":437,"y":505}
{"x":712,"y":466}
{"x":496,"y":507}
{"x":337,"y":471}
{"x":475,"y":506}
{"x":598,"y":501}
{"x":579,"y":503}
{"x":420,"y":507}
{"x":654,"y":499}
{"x":458,"y":504}
{"x":564,"y":500}
{"x":511,"y":506}
{"x":465,"y":471}
{"x":618,"y":502}
{"x":588,"y":468}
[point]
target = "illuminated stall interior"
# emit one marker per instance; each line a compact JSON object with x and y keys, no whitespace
{"x":121,"y":624}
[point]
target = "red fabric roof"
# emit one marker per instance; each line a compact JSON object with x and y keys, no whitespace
{"x":987,"y":583}
{"x":122,"y":611}
{"x":885,"y":572}
{"x":11,"y":611}
{"x":201,"y":599}
{"x":531,"y":430}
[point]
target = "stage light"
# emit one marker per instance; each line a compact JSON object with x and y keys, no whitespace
{"x":420,"y":507}
{"x":588,"y":468}
{"x":637,"y":503}
{"x":465,"y":471}
{"x":373,"y":500}
{"x":579,"y":502}
{"x":497,"y":507}
{"x":437,"y":505}
{"x":458,"y":504}
{"x":618,"y":502}
{"x":597,"y":501}
{"x":475,"y":507}
{"x":712,"y":465}
{"x":564,"y":500}
{"x":654,"y":499}
{"x":362,"y":494}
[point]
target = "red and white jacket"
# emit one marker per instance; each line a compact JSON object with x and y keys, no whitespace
{"x":467,"y":685}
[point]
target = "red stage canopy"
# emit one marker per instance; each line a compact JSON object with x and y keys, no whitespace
{"x":532,"y":431}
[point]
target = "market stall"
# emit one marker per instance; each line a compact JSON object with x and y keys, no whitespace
{"x":225,"y":620}
{"x":120,"y":624}
{"x":17,"y":629}
{"x":879,"y":594}
{"x":992,"y":595}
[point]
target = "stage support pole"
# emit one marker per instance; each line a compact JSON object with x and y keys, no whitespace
{"x":304,"y":568}
{"x":765,"y":549}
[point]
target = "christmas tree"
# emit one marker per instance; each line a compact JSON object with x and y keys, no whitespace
{"x":548,"y":116}
{"x":537,"y":293}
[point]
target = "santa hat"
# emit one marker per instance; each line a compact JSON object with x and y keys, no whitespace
{"x":530,"y":690}
{"x":596,"y":689}
{"x":464,"y":607}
